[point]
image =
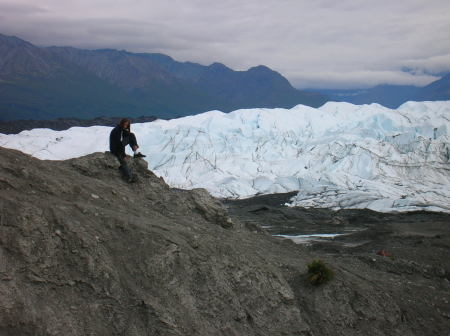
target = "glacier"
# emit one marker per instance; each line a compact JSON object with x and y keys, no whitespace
{"x":337,"y":156}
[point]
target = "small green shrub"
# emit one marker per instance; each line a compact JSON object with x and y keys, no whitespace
{"x":319,"y":273}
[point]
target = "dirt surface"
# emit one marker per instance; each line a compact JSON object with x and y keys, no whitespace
{"x":84,"y":253}
{"x":405,"y":255}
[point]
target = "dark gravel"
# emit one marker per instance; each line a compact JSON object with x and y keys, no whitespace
{"x":60,"y":124}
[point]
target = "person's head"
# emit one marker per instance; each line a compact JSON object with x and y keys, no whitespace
{"x":125,"y":123}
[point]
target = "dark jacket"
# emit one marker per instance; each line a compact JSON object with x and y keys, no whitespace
{"x":116,"y":145}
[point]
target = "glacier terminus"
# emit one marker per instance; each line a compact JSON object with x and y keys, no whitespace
{"x":336,"y":156}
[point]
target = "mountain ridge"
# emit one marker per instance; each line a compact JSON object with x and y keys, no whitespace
{"x":393,"y":96}
{"x":54,"y":82}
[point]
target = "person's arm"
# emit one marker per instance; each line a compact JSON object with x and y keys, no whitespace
{"x":115,"y":144}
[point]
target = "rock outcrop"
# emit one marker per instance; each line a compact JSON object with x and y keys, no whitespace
{"x":84,"y":253}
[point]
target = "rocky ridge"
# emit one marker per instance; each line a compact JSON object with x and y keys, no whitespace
{"x":17,"y":126}
{"x":84,"y":253}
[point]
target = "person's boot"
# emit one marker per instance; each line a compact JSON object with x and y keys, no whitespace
{"x":139,"y":155}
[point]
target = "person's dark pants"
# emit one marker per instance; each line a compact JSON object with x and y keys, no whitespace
{"x":124,"y":168}
{"x":129,"y":139}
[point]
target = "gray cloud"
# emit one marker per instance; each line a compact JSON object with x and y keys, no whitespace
{"x":318,"y":44}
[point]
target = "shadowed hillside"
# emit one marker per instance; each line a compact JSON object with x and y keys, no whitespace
{"x":62,"y":82}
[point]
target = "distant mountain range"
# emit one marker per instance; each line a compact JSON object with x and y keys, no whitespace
{"x":41,"y":83}
{"x":393,"y":96}
{"x":63,"y":82}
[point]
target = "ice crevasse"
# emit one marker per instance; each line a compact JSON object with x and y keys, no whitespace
{"x":337,"y":156}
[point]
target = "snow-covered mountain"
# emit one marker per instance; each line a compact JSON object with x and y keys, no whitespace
{"x":339,"y":155}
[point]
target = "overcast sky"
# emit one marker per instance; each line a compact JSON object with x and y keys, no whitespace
{"x":315,"y":43}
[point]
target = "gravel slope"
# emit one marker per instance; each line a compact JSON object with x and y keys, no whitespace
{"x":84,"y":253}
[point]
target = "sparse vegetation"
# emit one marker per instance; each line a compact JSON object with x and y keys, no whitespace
{"x":319,"y":273}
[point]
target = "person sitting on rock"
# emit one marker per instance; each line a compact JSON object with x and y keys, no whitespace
{"x":119,"y":138}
